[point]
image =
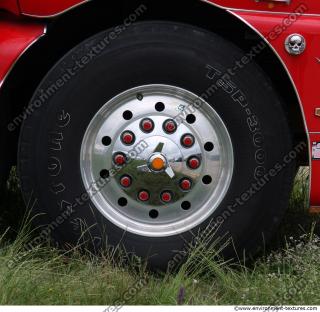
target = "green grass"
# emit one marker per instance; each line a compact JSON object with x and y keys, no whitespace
{"x":287,"y":273}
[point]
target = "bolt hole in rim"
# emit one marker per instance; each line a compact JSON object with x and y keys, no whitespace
{"x":151,"y":200}
{"x":185,"y":205}
{"x":106,"y":141}
{"x":160,"y":107}
{"x":122,"y":202}
{"x":154,"y":214}
{"x":191,"y":119}
{"x":127,"y":115}
{"x":104,"y":174}
{"x":209,"y":146}
{"x":206,"y":179}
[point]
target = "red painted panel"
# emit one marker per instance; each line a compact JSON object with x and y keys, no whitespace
{"x":303,"y":68}
{"x":46,"y":8}
{"x":10,"y":5}
{"x":271,"y":6}
{"x":315,"y":177}
{"x":15,"y":38}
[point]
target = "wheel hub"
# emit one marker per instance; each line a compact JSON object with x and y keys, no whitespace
{"x":157,"y":162}
{"x":175,"y":181}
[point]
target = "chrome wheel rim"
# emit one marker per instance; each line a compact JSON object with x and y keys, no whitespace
{"x":159,"y":159}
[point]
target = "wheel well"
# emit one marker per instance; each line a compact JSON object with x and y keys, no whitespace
{"x":66,"y":31}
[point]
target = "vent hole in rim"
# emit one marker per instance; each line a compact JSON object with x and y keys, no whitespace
{"x":154,"y":214}
{"x":206,"y":179}
{"x":160,"y":107}
{"x":186,"y":205}
{"x":122,"y":202}
{"x":209,"y":146}
{"x":106,"y":141}
{"x":191,"y":119}
{"x":127,"y":115}
{"x":104,"y":174}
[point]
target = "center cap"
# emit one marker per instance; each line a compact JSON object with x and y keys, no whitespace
{"x":157,"y":162}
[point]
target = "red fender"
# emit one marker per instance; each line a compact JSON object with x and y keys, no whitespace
{"x":270,"y":6}
{"x":11,"y":5}
{"x":15,"y":38}
{"x":274,"y":22}
{"x":47,"y":8}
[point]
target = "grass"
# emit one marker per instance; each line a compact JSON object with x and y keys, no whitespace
{"x":288,"y":272}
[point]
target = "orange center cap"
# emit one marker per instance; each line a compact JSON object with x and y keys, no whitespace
{"x":158,"y":164}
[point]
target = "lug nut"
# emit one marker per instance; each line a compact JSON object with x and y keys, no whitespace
{"x":119,"y":159}
{"x":125,"y":181}
{"x":147,"y":125}
{"x":127,"y":138}
{"x":187,"y":140}
{"x":185,"y":184}
{"x":143,"y":196}
{"x":194,"y":162}
{"x":170,"y":126}
{"x":166,"y":197}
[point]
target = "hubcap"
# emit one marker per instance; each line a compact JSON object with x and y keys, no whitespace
{"x":157,"y":162}
{"x":164,"y":180}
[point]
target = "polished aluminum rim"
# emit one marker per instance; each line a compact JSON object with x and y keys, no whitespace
{"x":159,"y":158}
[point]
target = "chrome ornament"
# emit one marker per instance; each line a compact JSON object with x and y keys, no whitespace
{"x":295,"y":44}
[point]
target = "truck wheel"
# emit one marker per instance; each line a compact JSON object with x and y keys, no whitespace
{"x":150,"y":138}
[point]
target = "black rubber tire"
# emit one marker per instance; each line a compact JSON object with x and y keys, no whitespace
{"x":6,"y":158}
{"x":156,"y":53}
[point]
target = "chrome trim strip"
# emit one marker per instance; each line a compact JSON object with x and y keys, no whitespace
{"x":21,"y":54}
{"x":57,"y":14}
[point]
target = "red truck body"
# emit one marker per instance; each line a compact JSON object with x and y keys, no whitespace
{"x":273,"y":21}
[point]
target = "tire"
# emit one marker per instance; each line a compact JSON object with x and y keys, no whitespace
{"x":5,"y":164}
{"x":157,"y":54}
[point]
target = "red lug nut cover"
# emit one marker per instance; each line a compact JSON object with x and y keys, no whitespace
{"x":125,"y":181}
{"x":166,"y":197}
{"x":170,"y":126}
{"x":127,"y":137}
{"x":185,"y":184}
{"x":144,"y":196}
{"x":187,"y":140}
{"x":147,"y":125}
{"x":119,"y":159}
{"x":194,"y":162}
